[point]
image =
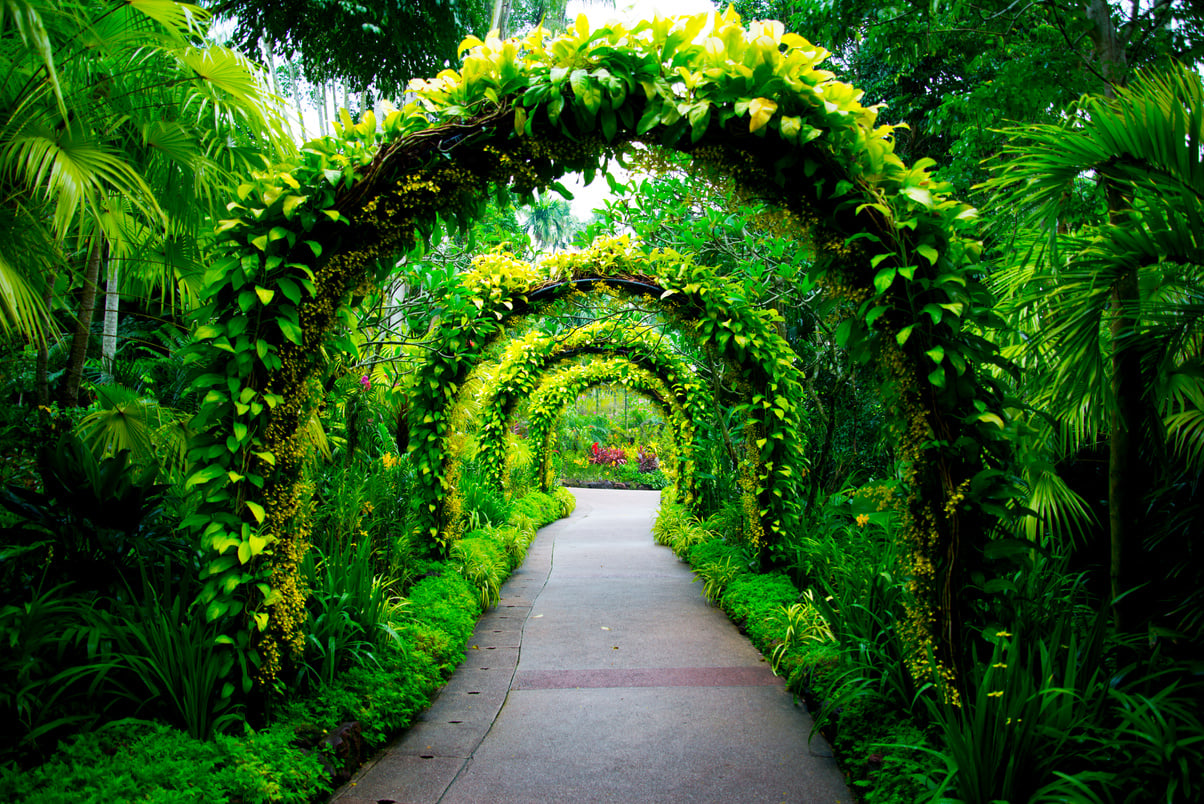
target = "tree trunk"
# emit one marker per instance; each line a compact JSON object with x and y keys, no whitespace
{"x":1124,"y":417}
{"x":83,"y":326}
{"x":1124,"y":422}
{"x":42,"y":366}
{"x":323,"y":125}
{"x":297,"y":106}
{"x":501,"y":17}
{"x":108,"y":340}
{"x":1111,"y":55}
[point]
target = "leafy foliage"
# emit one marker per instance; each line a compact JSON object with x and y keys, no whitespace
{"x":752,"y":101}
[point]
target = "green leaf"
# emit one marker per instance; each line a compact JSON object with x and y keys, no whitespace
{"x":884,"y":278}
{"x":291,"y":330}
{"x":877,"y":259}
{"x":256,"y":511}
{"x":205,"y":475}
{"x":843,"y":331}
{"x":207,"y":331}
{"x":215,"y":610}
{"x":291,"y":202}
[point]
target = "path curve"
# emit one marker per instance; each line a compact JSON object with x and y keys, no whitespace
{"x":603,"y":676}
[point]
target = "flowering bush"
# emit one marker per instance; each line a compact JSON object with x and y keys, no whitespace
{"x":647,"y":460}
{"x":607,"y":456}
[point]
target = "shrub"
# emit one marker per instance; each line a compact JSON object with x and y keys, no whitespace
{"x":483,"y":562}
{"x":134,"y":760}
{"x":606,"y":456}
{"x":647,"y":461}
{"x":753,"y":601}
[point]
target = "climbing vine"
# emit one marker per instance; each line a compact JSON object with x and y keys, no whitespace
{"x":526,"y":360}
{"x":695,"y":295}
{"x":561,"y":387}
{"x":751,"y":102}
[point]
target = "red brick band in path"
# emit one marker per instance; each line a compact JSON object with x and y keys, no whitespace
{"x":645,"y":677}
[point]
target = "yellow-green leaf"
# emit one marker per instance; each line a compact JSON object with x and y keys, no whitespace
{"x":759,"y":112}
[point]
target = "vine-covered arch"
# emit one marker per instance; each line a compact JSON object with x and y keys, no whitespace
{"x":752,"y":103}
{"x":529,"y":363}
{"x":561,"y":387}
{"x":704,"y":303}
{"x":526,"y":361}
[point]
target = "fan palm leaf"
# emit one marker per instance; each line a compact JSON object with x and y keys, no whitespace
{"x":121,"y":105}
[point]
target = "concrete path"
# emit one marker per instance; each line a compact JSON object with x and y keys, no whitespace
{"x":603,"y":676}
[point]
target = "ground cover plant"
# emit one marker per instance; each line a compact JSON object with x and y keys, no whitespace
{"x":278,"y":417}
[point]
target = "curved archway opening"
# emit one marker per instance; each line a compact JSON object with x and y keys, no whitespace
{"x":752,"y":103}
{"x":564,"y":386}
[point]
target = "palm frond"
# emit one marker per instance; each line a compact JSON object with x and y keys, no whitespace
{"x":28,"y":254}
{"x":1058,"y":510}
{"x":178,"y":18}
{"x":123,"y":422}
{"x":76,"y":171}
{"x":27,"y":19}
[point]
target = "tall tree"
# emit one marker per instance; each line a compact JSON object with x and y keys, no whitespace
{"x":1113,"y":304}
{"x":550,"y":222}
{"x":957,"y":72}
{"x":382,"y":44}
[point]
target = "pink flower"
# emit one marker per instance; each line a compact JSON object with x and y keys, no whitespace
{"x":366,"y":382}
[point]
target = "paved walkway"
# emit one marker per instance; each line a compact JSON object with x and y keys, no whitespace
{"x":603,"y":676}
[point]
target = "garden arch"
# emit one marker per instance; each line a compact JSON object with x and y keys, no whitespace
{"x":561,"y":387}
{"x":742,"y":334}
{"x":526,"y":360}
{"x":752,"y":103}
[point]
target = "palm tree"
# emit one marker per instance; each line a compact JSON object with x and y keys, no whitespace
{"x":550,"y":221}
{"x":1114,"y":308}
{"x":119,"y":125}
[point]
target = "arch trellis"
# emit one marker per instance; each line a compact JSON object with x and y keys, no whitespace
{"x":752,"y":103}
{"x":744,"y":335}
{"x":525,"y":361}
{"x":561,"y":387}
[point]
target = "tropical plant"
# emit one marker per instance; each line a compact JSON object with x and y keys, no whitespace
{"x":175,"y":660}
{"x":95,"y":522}
{"x":483,"y":562}
{"x":49,"y":665}
{"x":119,"y":125}
{"x":353,"y":612}
{"x":1111,"y":309}
{"x":550,"y":222}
